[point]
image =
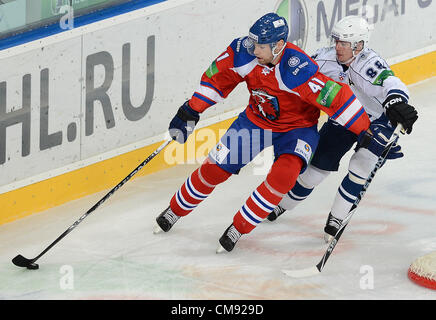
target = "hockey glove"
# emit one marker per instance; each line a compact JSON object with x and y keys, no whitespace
{"x":183,"y":123}
{"x":395,"y":152}
{"x":399,"y":111}
{"x":378,"y":140}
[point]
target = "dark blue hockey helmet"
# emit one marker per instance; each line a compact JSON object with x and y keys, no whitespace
{"x":269,"y":29}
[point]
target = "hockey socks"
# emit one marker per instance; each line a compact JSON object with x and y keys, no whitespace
{"x":197,"y":187}
{"x":267,"y":196}
{"x":347,"y":194}
{"x":257,"y":207}
{"x":297,"y":194}
{"x":304,"y":186}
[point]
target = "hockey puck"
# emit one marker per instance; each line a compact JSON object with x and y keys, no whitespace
{"x":33,"y":266}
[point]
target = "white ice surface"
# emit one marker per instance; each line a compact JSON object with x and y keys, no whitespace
{"x":113,"y":253}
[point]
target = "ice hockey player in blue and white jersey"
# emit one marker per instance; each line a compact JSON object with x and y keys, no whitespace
{"x":385,"y":99}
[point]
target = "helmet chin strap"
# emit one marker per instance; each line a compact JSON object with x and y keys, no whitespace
{"x":273,"y":48}
{"x":349,"y":60}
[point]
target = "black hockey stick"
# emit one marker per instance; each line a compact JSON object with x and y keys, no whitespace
{"x":311,"y":271}
{"x":21,"y":261}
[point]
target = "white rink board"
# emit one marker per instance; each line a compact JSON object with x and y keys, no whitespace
{"x":64,"y":109}
{"x":178,"y":40}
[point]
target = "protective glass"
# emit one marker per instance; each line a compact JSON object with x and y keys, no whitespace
{"x":251,"y":43}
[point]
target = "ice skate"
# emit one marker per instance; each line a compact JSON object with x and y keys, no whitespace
{"x":277,"y":212}
{"x":165,"y":221}
{"x":331,"y":228}
{"x":228,"y":239}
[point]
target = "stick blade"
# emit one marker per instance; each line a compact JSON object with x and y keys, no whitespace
{"x":20,"y":261}
{"x":23,"y":262}
{"x":302,"y":273}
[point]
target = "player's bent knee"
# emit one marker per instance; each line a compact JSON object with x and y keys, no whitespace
{"x":361,"y":163}
{"x":312,"y":177}
{"x":284,"y":172}
{"x":212,"y":173}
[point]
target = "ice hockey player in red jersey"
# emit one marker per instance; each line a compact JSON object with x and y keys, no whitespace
{"x":287,"y":93}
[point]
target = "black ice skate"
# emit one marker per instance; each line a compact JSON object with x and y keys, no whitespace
{"x":228,"y":239}
{"x":165,"y":221}
{"x":332,"y":226}
{"x":277,"y":212}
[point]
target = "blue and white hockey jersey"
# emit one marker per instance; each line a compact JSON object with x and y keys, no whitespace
{"x":369,"y":76}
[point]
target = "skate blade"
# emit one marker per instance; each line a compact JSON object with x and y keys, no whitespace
{"x":220,"y":249}
{"x":327,"y":238}
{"x":157,"y":229}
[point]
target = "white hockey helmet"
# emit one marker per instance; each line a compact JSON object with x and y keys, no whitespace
{"x":351,"y":29}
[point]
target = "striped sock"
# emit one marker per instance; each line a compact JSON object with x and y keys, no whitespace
{"x":257,"y":207}
{"x":197,"y":187}
{"x":297,"y":194}
{"x":347,"y":194}
{"x":193,"y":191}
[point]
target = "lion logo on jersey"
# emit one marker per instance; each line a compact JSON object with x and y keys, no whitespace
{"x":266,"y":104}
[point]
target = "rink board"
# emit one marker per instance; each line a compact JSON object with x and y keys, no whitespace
{"x":103,"y":175}
{"x":72,"y":154}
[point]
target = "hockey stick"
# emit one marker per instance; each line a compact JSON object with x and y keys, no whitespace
{"x":21,"y":261}
{"x":311,"y":271}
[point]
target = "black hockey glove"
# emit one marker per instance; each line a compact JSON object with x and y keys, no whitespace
{"x":183,"y":123}
{"x":399,"y":111}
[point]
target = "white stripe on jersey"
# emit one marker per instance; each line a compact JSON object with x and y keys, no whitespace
{"x":246,"y":68}
{"x":209,"y":93}
{"x":349,"y":112}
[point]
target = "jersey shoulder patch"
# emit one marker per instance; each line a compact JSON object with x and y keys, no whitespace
{"x":296,"y":67}
{"x":240,"y":50}
{"x":371,"y":67}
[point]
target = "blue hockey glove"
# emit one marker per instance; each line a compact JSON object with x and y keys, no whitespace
{"x":183,"y":123}
{"x":395,"y":152}
{"x":378,"y":140}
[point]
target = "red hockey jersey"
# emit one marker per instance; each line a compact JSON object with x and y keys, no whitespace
{"x":286,"y":96}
